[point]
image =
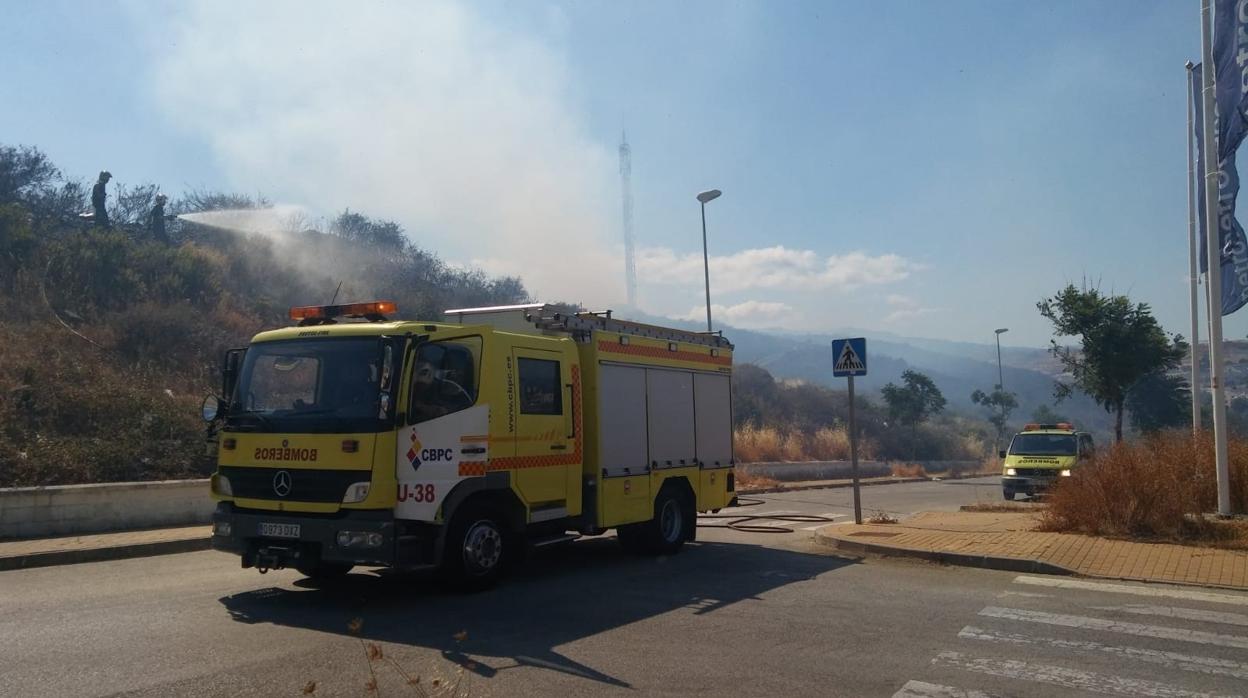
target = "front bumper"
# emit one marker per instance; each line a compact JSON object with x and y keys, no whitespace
{"x":1031,"y":484}
{"x":317,"y":540}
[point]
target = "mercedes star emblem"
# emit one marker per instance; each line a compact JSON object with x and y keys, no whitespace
{"x":281,"y":483}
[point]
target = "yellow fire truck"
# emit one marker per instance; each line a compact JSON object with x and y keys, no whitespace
{"x":351,"y":439}
{"x":1039,"y":455}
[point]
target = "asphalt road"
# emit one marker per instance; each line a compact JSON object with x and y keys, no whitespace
{"x":737,"y":614}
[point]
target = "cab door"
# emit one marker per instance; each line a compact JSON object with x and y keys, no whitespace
{"x":543,"y":447}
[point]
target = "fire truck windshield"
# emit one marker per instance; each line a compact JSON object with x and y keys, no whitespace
{"x":1043,"y":445}
{"x":338,"y":385}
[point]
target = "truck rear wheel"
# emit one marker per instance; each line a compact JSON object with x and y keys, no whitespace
{"x":477,"y":547}
{"x":666,"y":532}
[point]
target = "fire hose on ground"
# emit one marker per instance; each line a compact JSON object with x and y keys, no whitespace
{"x":743,"y":522}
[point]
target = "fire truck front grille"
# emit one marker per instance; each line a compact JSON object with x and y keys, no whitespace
{"x":300,"y":486}
{"x":1037,"y":472}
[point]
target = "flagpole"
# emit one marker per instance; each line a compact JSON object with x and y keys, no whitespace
{"x":1213,"y":247}
{"x":1191,"y":258}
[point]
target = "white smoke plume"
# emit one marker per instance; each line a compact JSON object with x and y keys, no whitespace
{"x":466,"y":133}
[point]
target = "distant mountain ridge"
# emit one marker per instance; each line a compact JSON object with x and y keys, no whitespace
{"x":957,"y":368}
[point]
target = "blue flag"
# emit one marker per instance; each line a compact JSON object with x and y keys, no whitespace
{"x":1230,"y":45}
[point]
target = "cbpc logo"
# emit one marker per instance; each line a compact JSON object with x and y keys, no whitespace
{"x":413,"y":453}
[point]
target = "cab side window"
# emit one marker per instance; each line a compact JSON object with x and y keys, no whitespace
{"x":444,"y":378}
{"x":1086,"y":448}
{"x":539,"y":387}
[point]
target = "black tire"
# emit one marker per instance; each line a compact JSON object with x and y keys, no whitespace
{"x":1009,"y":495}
{"x":667,"y":532}
{"x":325,"y":571}
{"x":478,"y":547}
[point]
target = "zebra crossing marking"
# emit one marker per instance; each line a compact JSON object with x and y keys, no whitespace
{"x":1161,"y":592}
{"x":1064,"y":677}
{"x":1170,"y":660}
{"x":1116,"y":626}
{"x":1181,"y":613}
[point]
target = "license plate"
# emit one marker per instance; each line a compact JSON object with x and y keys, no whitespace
{"x":277,"y":530}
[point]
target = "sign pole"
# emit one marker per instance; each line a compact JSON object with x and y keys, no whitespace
{"x":1192,"y":257}
{"x":853,"y":454}
{"x":1213,"y":247}
{"x":850,"y":359}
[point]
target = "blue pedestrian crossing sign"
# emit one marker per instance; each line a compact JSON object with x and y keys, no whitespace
{"x":850,"y":357}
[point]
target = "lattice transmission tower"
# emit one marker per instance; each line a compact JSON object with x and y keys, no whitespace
{"x":626,"y":192}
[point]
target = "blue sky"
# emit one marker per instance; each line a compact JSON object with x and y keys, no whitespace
{"x":929,"y":169}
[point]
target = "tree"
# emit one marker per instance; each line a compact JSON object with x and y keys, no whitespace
{"x":913,"y":403}
{"x":1000,"y":404}
{"x":1120,"y":343}
{"x":1047,"y":415}
{"x":24,"y":170}
{"x":1159,"y":400}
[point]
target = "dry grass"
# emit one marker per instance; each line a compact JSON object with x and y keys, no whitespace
{"x":1000,"y":507}
{"x":754,"y":444}
{"x":745,"y":481}
{"x":880,"y":517}
{"x":907,"y":470}
{"x":1160,"y":487}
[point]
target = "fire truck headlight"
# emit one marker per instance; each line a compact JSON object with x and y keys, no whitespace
{"x":1066,"y":473}
{"x":357,"y":493}
{"x":221,"y":485}
{"x":1011,"y":471}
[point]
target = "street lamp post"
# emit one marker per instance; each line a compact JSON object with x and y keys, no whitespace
{"x":1000,"y":375}
{"x":704,"y":198}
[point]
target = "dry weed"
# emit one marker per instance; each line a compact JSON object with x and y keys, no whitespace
{"x":1157,"y":487}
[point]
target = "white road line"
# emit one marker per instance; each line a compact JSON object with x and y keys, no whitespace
{"x":1183,"y":613}
{"x":922,"y":689}
{"x":828,"y":515}
{"x":1061,"y":676}
{"x":1060,"y":583}
{"x":1116,"y":626}
{"x":1024,"y":594}
{"x":1170,"y":660}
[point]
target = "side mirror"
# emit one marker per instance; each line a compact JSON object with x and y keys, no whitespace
{"x":1001,"y":454}
{"x":211,"y":408}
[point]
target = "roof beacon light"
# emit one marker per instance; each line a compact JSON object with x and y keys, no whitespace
{"x":374,"y":311}
{"x":1060,"y":426}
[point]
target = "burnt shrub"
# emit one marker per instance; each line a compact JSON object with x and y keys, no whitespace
{"x":1160,"y":486}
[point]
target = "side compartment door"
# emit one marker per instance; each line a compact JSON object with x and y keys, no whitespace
{"x":544,"y":441}
{"x":624,"y":492}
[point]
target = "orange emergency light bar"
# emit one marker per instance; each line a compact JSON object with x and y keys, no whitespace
{"x":311,"y":314}
{"x":1060,"y":425}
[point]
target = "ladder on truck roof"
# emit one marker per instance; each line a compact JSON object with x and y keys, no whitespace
{"x":549,"y":318}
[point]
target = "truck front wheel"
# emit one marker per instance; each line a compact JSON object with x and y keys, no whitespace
{"x":477,"y":546}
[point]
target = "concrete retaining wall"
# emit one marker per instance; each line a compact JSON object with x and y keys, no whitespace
{"x":33,"y":512}
{"x":841,"y":469}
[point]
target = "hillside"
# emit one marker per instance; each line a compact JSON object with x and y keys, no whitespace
{"x":111,"y":337}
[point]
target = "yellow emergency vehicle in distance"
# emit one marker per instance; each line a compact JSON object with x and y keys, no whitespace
{"x":456,"y":445}
{"x":1039,"y":455}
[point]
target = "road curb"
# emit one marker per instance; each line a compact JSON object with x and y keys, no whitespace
{"x":989,"y":562}
{"x":115,"y":552}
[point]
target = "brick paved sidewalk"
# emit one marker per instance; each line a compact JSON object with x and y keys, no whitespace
{"x":1008,"y":541}
{"x":40,"y":552}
